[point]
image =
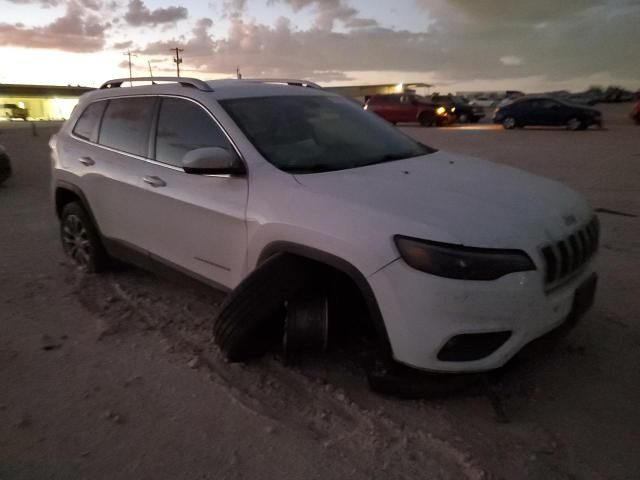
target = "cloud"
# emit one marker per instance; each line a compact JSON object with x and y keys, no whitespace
{"x":328,"y":12}
{"x":201,"y":43}
{"x":233,"y":8}
{"x":139,"y":14}
{"x":122,"y":45}
{"x":462,"y":43}
{"x":361,"y":23}
{"x":43,"y":3}
{"x":463,"y":40}
{"x":76,"y":31}
{"x":511,"y":60}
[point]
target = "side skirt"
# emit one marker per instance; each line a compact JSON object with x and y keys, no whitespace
{"x":134,"y":255}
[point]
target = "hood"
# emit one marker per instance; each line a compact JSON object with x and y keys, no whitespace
{"x":456,"y":199}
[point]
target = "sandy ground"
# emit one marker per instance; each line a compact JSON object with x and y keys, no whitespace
{"x":115,"y":376}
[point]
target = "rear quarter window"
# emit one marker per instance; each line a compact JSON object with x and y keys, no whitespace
{"x":89,"y":121}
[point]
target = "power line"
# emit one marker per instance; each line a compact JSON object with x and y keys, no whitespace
{"x":177,"y":59}
{"x":129,"y":54}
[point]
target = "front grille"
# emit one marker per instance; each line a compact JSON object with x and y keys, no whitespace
{"x":563,"y":258}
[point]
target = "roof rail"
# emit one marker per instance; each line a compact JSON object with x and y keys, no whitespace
{"x":287,"y":81}
{"x":184,"y":81}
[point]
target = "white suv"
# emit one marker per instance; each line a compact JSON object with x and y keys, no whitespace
{"x":460,"y":261}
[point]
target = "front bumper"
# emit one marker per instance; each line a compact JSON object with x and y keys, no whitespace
{"x":422,"y":313}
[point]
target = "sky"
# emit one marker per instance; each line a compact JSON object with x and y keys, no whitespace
{"x":457,"y":45}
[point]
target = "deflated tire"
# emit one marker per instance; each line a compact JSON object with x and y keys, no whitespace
{"x":251,"y":318}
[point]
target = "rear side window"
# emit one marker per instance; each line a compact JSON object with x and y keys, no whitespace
{"x":126,"y":124}
{"x":87,"y":125}
{"x":184,"y":126}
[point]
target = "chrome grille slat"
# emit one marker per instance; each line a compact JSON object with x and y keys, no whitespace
{"x":576,"y":253}
{"x":551,"y":263}
{"x":565,"y":266}
{"x":569,"y":254}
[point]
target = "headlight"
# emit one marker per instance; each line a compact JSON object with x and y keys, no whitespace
{"x":441,"y":110}
{"x":460,"y":262}
{"x":453,"y":109}
{"x":366,"y":107}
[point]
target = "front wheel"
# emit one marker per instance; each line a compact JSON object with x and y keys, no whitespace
{"x":509,"y":123}
{"x":463,"y":118}
{"x":575,"y":124}
{"x":80,"y":239}
{"x":425,"y":120}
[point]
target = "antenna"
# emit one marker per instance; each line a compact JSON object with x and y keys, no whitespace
{"x":150,"y":72}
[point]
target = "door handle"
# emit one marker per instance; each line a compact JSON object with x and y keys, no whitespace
{"x":155,"y":182}
{"x":87,"y":161}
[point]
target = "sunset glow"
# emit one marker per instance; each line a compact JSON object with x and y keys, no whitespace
{"x":457,"y":45}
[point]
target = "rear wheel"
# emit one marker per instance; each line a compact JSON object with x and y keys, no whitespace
{"x":80,"y":239}
{"x":509,"y":123}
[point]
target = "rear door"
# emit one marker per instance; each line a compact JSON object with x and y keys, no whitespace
{"x":195,"y":222}
{"x":109,"y":139}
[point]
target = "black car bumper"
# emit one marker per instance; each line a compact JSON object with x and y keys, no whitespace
{"x":5,"y":166}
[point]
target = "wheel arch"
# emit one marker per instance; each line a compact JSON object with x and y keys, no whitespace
{"x":344,"y":267}
{"x":67,"y":192}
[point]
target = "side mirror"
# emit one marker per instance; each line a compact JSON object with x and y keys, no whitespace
{"x":212,"y":161}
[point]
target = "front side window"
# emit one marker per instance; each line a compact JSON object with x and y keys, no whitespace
{"x":549,"y":104}
{"x":307,"y":134}
{"x":87,"y":125}
{"x":184,"y":126}
{"x":126,"y":124}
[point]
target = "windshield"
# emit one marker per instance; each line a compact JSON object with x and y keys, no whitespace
{"x":307,"y":134}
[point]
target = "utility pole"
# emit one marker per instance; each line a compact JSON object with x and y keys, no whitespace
{"x":129,"y":54}
{"x":177,"y":59}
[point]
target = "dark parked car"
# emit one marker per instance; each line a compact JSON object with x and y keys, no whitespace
{"x":546,"y":111}
{"x":405,"y":107}
{"x":635,"y":113}
{"x":459,"y":108}
{"x":5,"y":165}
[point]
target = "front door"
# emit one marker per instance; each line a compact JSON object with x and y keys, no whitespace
{"x":407,"y":110}
{"x":196,"y":222}
{"x":555,"y":112}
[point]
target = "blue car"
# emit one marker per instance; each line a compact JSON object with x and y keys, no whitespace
{"x":546,"y":111}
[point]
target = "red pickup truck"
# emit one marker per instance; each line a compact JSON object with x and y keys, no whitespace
{"x":404,"y":107}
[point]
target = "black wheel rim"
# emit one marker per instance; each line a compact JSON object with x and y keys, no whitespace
{"x":75,"y":240}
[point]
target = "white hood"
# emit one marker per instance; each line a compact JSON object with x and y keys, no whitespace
{"x":456,"y":199}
